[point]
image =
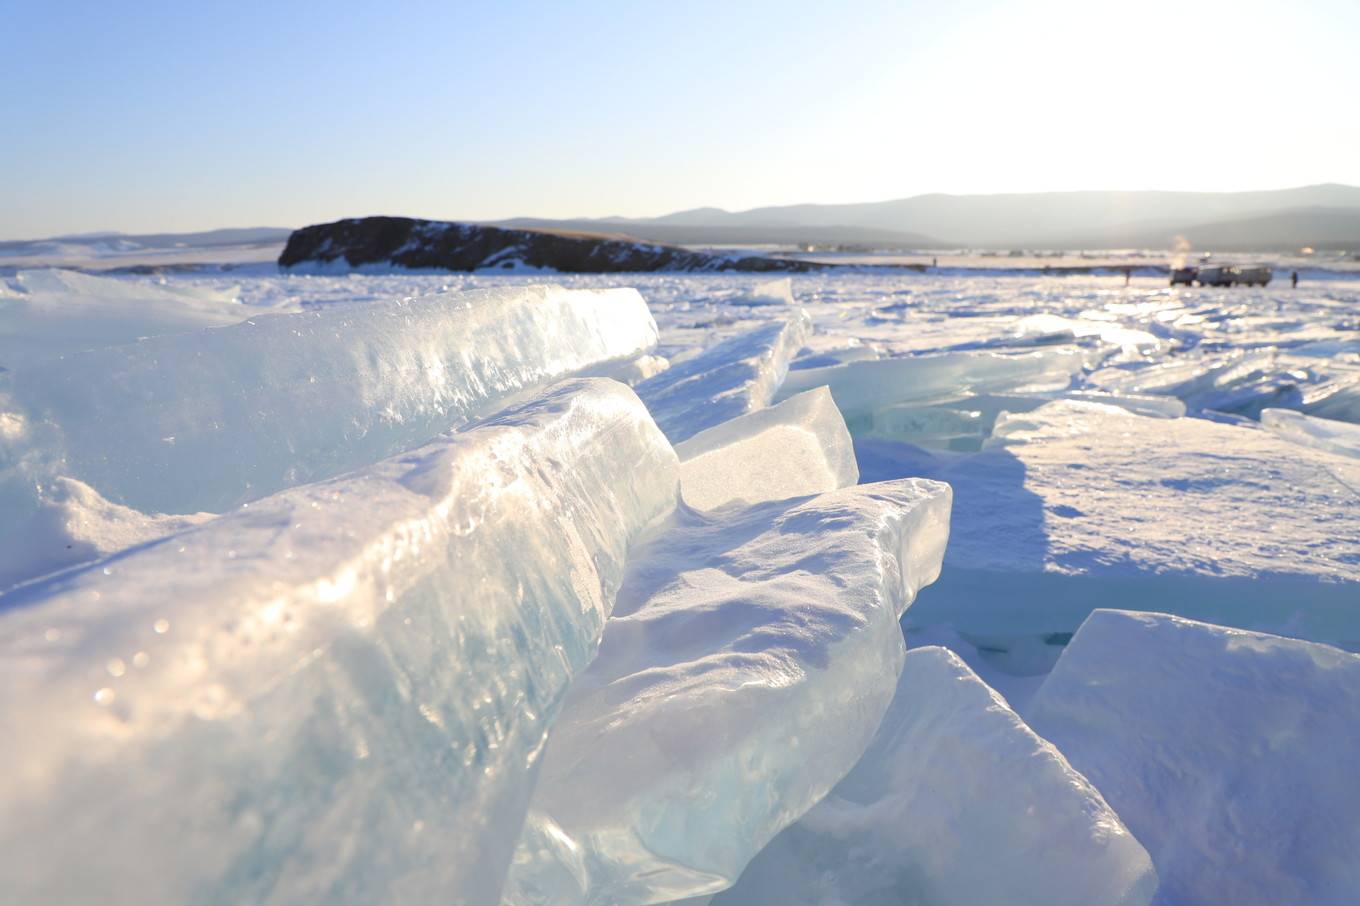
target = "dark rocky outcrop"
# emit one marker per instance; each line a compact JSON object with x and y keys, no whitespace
{"x":439,"y":245}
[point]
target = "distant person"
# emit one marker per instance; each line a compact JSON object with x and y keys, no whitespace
{"x":1128,"y":275}
{"x":1294,"y":280}
{"x":934,"y":262}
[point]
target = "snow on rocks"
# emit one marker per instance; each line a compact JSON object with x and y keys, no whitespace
{"x":1078,"y":505}
{"x":750,"y":658}
{"x":206,"y":420}
{"x":734,"y":377}
{"x":1229,"y":754}
{"x":335,"y":694}
{"x":956,"y":802}
{"x":797,"y":447}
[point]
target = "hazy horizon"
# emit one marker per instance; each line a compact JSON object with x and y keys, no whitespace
{"x":175,"y":119}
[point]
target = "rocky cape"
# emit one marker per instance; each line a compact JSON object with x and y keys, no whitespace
{"x":413,"y":244}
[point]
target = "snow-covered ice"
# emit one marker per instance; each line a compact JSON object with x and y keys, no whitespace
{"x":338,"y":693}
{"x":956,"y":802}
{"x":1230,"y":755}
{"x":791,"y":449}
{"x":750,"y":658}
{"x":734,"y":377}
{"x":1076,"y":505}
{"x":70,"y":523}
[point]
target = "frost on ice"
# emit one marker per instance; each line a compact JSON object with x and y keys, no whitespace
{"x":797,"y":447}
{"x":956,"y":802}
{"x":734,"y":377}
{"x":749,"y":660}
{"x":1077,"y":505}
{"x":1229,"y":754}
{"x":203,"y":421}
{"x":336,"y":694}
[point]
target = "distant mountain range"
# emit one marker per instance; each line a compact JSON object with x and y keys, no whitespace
{"x":1322,"y":216}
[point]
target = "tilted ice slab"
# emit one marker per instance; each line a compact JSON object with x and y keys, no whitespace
{"x":862,"y":387}
{"x":1229,"y":754}
{"x":1082,"y":504}
{"x":1337,"y":399}
{"x":734,"y":377}
{"x":335,"y":694}
{"x":204,"y":421}
{"x":1321,"y":433}
{"x":956,"y":802}
{"x":798,"y":447}
{"x":56,"y":312}
{"x":1243,"y":382}
{"x":748,"y":663}
{"x":964,"y":424}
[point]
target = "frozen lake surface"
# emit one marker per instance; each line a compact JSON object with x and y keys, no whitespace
{"x":393,"y":594}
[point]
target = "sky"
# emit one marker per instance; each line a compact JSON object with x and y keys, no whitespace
{"x":150,"y":116}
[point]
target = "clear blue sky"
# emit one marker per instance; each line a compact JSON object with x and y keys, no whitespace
{"x":191,"y":115}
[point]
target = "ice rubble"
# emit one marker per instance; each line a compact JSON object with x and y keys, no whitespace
{"x":49,"y":313}
{"x":1241,"y":382}
{"x":771,"y":292}
{"x":748,"y":663}
{"x":956,"y":802}
{"x":1310,"y":431}
{"x":1337,"y":399}
{"x":862,"y":388}
{"x":338,"y":693}
{"x":734,"y":377}
{"x":1229,"y":754}
{"x":1077,"y":504}
{"x":206,"y":420}
{"x":798,"y":447}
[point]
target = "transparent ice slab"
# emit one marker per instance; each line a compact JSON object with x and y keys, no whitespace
{"x":750,"y":659}
{"x":336,"y":694}
{"x":797,"y":447}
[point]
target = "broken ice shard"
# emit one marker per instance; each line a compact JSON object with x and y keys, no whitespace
{"x":747,"y":666}
{"x":1229,"y":754}
{"x":956,"y":802}
{"x":737,"y":376}
{"x":336,"y":694}
{"x":862,"y":387}
{"x":792,"y":449}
